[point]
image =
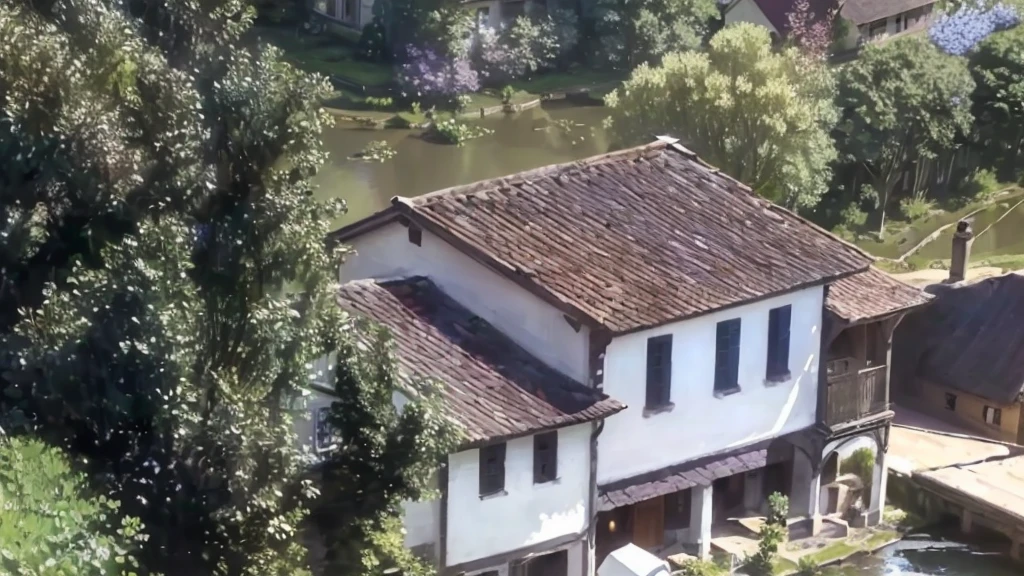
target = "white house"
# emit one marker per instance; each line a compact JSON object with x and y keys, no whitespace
{"x":867,"y":19}
{"x":731,"y":347}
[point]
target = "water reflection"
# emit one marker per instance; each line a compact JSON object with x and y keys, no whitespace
{"x":928,"y":557}
{"x":533,"y":138}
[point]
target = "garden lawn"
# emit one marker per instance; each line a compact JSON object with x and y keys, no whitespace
{"x":574,"y":79}
{"x":325,"y":54}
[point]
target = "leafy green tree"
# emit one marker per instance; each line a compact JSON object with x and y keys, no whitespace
{"x":50,"y":525}
{"x":437,"y":24}
{"x":384,"y":456}
{"x":770,"y":536}
{"x":759,"y":115}
{"x":635,"y":31}
{"x":164,"y":280}
{"x":904,"y":103}
{"x":998,"y":102}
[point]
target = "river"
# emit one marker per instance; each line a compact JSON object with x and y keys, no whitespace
{"x":926,"y":556}
{"x":519,"y":142}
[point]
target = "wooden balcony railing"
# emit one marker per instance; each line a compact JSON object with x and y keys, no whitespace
{"x":856,"y":394}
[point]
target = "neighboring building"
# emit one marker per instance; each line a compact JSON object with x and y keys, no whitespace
{"x":748,"y":344}
{"x":866,"y":19}
{"x":517,"y":492}
{"x":962,"y":357}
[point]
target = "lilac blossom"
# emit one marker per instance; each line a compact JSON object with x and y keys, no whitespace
{"x":427,"y":74}
{"x":958,"y":32}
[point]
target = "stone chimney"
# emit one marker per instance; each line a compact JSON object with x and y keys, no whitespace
{"x":962,"y":240}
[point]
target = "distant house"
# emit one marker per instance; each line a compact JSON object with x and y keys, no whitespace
{"x":962,"y":357}
{"x":867,"y":19}
{"x":694,"y":346}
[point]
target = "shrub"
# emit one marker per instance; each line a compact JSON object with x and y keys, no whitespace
{"x":771,"y":535}
{"x":373,"y":43}
{"x":381,"y":103}
{"x":807,"y":567}
{"x":980,"y":185}
{"x":507,"y":93}
{"x":526,"y":47}
{"x":852,"y":217}
{"x":862,"y":464}
{"x":960,"y":31}
{"x":914,"y":208}
{"x":377,"y":151}
{"x":426,"y":74}
{"x":697,"y":567}
{"x":452,"y":131}
{"x":564,"y":28}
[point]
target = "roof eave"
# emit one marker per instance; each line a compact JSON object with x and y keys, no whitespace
{"x":854,"y":321}
{"x":564,"y":423}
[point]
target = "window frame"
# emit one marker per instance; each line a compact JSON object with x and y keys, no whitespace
{"x":490,"y":482}
{"x":658,"y":388}
{"x":997,"y":415}
{"x":728,"y":333}
{"x":780,"y":323}
{"x":545,"y":457}
{"x":323,"y":432}
{"x":950,"y":401}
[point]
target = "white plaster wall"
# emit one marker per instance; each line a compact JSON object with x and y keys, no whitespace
{"x":527,"y":513}
{"x":700,"y":423}
{"x":540,"y":328}
{"x":748,"y":11}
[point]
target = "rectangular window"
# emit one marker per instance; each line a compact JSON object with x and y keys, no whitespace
{"x":483,"y":16}
{"x":778,"y":343}
{"x":899,"y":23}
{"x":727,"y":356}
{"x":545,"y":457}
{"x":950,"y":401}
{"x":492,"y":469}
{"x":659,"y":371}
{"x":877,"y":29}
{"x":677,"y":510}
{"x":992,"y":415}
{"x":324,"y":435}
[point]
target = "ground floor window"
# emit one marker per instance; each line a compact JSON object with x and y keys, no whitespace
{"x":553,"y":564}
{"x":992,"y":415}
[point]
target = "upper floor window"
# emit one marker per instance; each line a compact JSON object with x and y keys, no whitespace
{"x":727,"y":356}
{"x":325,"y":437}
{"x":545,"y":457}
{"x":778,"y":343}
{"x":492,"y":469}
{"x":950,"y":401}
{"x":992,"y":415}
{"x":659,"y":370}
{"x":483,"y":17}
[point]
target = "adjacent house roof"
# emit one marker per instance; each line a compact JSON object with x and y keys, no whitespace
{"x":632,"y":239}
{"x":971,"y":338}
{"x":867,"y":11}
{"x":492,"y":388}
{"x":777,"y":11}
{"x":872,"y":294}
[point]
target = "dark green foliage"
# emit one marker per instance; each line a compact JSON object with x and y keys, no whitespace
{"x":384,"y":457}
{"x":862,"y":464}
{"x":998,"y":69}
{"x":50,"y":525}
{"x":373,"y":41}
{"x":164,"y":281}
{"x":635,"y":31}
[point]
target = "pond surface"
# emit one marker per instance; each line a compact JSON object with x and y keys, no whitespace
{"x":924,"y":556}
{"x":531,"y":139}
{"x":1005,"y":236}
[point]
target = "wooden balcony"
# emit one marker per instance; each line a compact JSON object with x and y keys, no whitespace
{"x":854,"y":392}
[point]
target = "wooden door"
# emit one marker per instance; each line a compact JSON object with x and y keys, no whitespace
{"x":649,"y":523}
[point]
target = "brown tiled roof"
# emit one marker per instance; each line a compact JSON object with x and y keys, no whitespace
{"x":777,"y":11}
{"x":970,"y":338}
{"x":700,"y":472}
{"x":867,"y":11}
{"x":492,"y":388}
{"x":632,"y":239}
{"x":872,"y":294}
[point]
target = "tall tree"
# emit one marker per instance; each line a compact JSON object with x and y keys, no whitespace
{"x":762,"y":116}
{"x":636,"y":31}
{"x":904,"y":103}
{"x":384,"y":456}
{"x":164,"y":280}
{"x":998,"y":102}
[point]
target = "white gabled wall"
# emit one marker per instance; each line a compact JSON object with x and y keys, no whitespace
{"x":538,"y":327}
{"x":701,"y":424}
{"x":748,"y":11}
{"x":526,"y":513}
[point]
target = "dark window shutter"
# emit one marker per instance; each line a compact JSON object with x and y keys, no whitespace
{"x":722,"y":356}
{"x":734,"y":352}
{"x":659,"y":370}
{"x":492,"y":469}
{"x":778,"y":340}
{"x":545,"y":457}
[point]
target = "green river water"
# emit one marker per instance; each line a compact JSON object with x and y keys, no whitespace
{"x":530,"y":140}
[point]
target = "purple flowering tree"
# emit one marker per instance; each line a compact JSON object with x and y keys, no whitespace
{"x":435,"y":78}
{"x":958,"y":32}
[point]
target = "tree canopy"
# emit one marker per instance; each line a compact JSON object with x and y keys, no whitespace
{"x":762,"y":116}
{"x":164,"y":280}
{"x":904,"y":103}
{"x":636,"y":31}
{"x":998,"y":102}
